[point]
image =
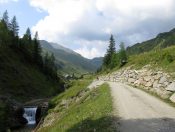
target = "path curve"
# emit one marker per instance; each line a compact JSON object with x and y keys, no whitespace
{"x":141,"y":112}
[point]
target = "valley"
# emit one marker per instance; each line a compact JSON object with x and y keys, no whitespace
{"x":112,"y":79}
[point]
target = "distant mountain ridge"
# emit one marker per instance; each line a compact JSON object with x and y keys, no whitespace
{"x":69,"y":61}
{"x":161,"y":41}
{"x":97,"y":61}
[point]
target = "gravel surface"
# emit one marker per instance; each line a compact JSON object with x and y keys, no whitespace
{"x":95,"y":84}
{"x":141,"y":112}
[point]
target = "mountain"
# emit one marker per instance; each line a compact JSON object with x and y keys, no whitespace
{"x":69,"y":61}
{"x":97,"y":61}
{"x":161,"y":41}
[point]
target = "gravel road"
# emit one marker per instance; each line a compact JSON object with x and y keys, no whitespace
{"x":141,"y":112}
{"x":95,"y":84}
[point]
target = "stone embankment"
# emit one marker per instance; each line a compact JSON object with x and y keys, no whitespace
{"x":154,"y":81}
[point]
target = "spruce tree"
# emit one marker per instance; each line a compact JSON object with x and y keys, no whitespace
{"x":110,"y":52}
{"x":5,"y":18}
{"x":28,"y":34}
{"x":122,"y":54}
{"x":27,"y":39}
{"x":14,"y":26}
{"x":37,"y":50}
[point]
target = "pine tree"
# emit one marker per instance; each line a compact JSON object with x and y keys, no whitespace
{"x":27,"y":39}
{"x":46,"y":62}
{"x":28,"y":34}
{"x":27,"y":45}
{"x":14,"y":26}
{"x":122,"y":54}
{"x":4,"y":34}
{"x":49,"y":65}
{"x":53,"y":66}
{"x":37,"y":50}
{"x":5,"y":18}
{"x":110,"y":52}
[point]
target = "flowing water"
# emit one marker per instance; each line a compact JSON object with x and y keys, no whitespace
{"x":29,"y":114}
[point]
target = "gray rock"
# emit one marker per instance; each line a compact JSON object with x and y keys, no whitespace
{"x":166,"y":84}
{"x":146,"y":88}
{"x":149,"y":84}
{"x":162,"y":80}
{"x":131,"y":80}
{"x":165,"y":94}
{"x":159,"y":92}
{"x":172,"y":98}
{"x":137,"y":82}
{"x":147,"y":78}
{"x":143,"y":82}
{"x":171,"y":87}
{"x":155,"y":84}
{"x":157,"y":77}
{"x":153,"y":90}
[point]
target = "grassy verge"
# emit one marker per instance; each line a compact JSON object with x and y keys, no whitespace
{"x":91,"y":113}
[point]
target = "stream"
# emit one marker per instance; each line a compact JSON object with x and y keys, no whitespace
{"x":30,"y":115}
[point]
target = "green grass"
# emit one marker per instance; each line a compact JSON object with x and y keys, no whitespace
{"x":74,"y":90}
{"x":164,"y":59}
{"x":91,"y":113}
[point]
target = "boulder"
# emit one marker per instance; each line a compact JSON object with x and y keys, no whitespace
{"x":137,"y":82}
{"x":156,"y":84}
{"x":132,"y":75}
{"x":166,"y":83}
{"x":149,"y":84}
{"x":153,"y":90}
{"x":38,"y":114}
{"x":157,"y":77}
{"x":165,"y":94}
{"x":159,"y":92}
{"x":171,"y":87}
{"x":162,"y":80}
{"x":131,"y":80}
{"x":142,"y":82}
{"x":172,"y":98}
{"x":147,"y":78}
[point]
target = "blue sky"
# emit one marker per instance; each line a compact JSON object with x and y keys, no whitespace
{"x":27,"y":16}
{"x":85,"y":25}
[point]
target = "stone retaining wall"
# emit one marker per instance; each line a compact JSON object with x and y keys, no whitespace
{"x":155,"y":81}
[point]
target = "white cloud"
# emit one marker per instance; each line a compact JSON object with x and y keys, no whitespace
{"x":91,"y":49}
{"x":88,"y":53}
{"x":7,"y":1}
{"x":71,"y":21}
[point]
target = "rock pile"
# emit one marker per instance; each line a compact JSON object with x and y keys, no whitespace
{"x":155,"y":81}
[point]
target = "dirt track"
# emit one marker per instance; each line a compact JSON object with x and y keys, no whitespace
{"x":141,"y":112}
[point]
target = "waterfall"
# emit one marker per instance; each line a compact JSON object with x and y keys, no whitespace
{"x":29,"y":114}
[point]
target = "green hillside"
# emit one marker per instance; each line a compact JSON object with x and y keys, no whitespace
{"x":162,"y":40}
{"x":69,"y":61}
{"x":23,"y":80}
{"x":79,"y":109}
{"x":25,"y":73}
{"x":164,"y":59}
